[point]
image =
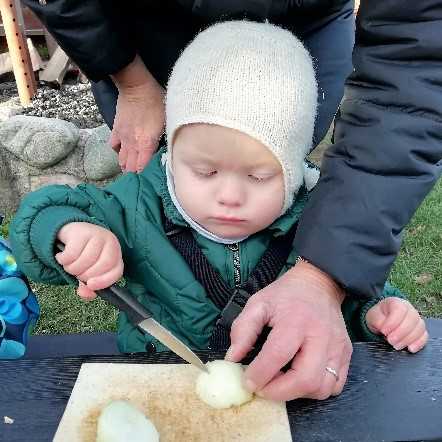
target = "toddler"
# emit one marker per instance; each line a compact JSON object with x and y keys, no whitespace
{"x":212,"y":217}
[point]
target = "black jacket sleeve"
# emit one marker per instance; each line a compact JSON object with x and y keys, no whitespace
{"x":94,"y":33}
{"x":388,"y":146}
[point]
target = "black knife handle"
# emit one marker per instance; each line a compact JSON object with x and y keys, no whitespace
{"x":121,"y":298}
{"x":124,"y":301}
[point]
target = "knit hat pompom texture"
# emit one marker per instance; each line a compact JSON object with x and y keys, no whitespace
{"x":253,"y":77}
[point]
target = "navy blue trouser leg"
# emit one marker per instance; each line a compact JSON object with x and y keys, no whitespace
{"x":105,"y":94}
{"x":330,"y":43}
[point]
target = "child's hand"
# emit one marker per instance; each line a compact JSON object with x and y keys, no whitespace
{"x":92,"y":254}
{"x":399,"y":322}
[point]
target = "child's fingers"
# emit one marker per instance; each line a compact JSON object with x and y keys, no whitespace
{"x":107,"y":279}
{"x":85,"y":293}
{"x":419,"y":344}
{"x":375,"y":318}
{"x":71,"y":252}
{"x":411,"y":321}
{"x":398,"y":311}
{"x":414,"y":333}
{"x":87,"y":258}
{"x":109,"y":258}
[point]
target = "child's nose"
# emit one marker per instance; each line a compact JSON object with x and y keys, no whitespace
{"x":231,"y":193}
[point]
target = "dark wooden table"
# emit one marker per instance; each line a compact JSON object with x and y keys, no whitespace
{"x":389,"y":396}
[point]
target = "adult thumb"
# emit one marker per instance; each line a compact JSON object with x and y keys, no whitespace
{"x":245,"y":331}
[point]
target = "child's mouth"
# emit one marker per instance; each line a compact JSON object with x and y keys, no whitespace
{"x":228,"y":219}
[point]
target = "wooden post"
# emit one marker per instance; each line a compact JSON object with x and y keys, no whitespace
{"x":18,"y":50}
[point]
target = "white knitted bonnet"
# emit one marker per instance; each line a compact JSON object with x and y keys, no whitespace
{"x":253,"y":77}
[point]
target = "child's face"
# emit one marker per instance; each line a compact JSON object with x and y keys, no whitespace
{"x":227,"y":181}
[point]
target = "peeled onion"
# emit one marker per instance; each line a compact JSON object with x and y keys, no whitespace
{"x":223,"y":385}
{"x":120,"y":421}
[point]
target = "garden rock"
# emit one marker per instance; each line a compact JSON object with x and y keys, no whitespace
{"x":10,"y":108}
{"x":36,"y":151}
{"x":39,"y":142}
{"x":100,"y":161}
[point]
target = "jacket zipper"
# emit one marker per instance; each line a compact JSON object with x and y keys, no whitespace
{"x":236,"y":264}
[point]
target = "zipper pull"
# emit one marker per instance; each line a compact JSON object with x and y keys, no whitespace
{"x":236,"y":263}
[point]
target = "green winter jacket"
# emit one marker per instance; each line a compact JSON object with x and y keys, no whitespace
{"x":133,"y":208}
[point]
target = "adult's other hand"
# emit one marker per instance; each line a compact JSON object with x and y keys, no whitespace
{"x":139,"y":118}
{"x":303,"y":309}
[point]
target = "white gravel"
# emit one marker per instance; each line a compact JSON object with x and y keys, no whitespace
{"x":72,"y":102}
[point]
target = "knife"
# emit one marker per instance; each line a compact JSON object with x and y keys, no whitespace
{"x":142,"y":318}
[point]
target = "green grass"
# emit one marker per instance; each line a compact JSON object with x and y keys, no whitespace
{"x":62,"y":311}
{"x":418,"y":269}
{"x":4,"y":227}
{"x":417,"y":272}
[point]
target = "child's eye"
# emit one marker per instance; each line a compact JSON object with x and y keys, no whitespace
{"x":205,"y":173}
{"x":259,"y":178}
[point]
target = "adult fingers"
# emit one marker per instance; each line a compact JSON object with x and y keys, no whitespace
{"x":145,"y":153}
{"x":131,"y":161}
{"x":279,"y":348}
{"x":122,"y":156}
{"x":115,"y":141}
{"x":143,"y":158}
{"x":246,"y":329}
{"x":305,"y":377}
{"x":329,"y":380}
{"x":343,"y":372}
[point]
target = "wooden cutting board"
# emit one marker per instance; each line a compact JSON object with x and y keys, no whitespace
{"x":166,"y":394}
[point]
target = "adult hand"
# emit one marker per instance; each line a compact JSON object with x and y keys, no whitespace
{"x":303,"y":309}
{"x":139,"y":118}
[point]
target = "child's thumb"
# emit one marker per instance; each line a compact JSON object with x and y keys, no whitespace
{"x":59,"y":257}
{"x":85,"y":292}
{"x":375,"y":318}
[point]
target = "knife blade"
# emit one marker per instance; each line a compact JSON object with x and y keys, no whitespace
{"x":142,"y":318}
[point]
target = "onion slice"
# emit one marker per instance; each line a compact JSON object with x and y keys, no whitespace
{"x":120,"y":421}
{"x":223,"y":385}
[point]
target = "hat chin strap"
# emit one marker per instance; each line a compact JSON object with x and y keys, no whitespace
{"x":192,"y":223}
{"x":311,"y":175}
